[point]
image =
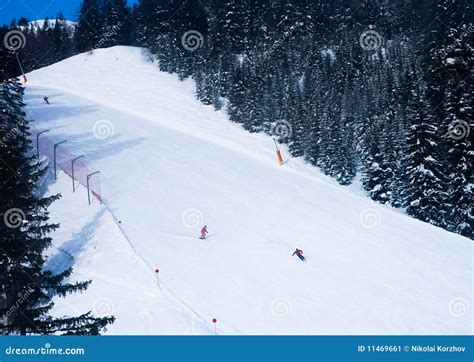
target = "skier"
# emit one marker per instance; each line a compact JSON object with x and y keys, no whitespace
{"x":299,"y":254}
{"x":203,"y":232}
{"x":46,"y":99}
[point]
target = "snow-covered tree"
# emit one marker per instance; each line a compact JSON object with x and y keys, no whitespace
{"x":24,"y":236}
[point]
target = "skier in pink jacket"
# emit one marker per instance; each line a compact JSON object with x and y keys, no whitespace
{"x":204,"y":232}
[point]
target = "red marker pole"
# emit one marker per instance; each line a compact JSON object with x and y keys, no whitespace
{"x":280,"y":159}
{"x":25,"y":79}
{"x":157,"y":271}
{"x":214,"y":320}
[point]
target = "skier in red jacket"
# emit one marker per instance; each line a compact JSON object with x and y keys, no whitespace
{"x":299,"y":254}
{"x":203,"y":232}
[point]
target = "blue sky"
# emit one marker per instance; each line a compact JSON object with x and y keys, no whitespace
{"x":39,"y":9}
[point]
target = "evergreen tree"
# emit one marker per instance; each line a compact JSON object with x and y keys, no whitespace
{"x":90,"y":25}
{"x":116,"y":27}
{"x":424,"y":195}
{"x":237,"y":96}
{"x":27,"y":288}
{"x":296,"y":139}
{"x":60,"y":39}
{"x":459,"y":62}
{"x":8,"y":66}
{"x":145,"y":22}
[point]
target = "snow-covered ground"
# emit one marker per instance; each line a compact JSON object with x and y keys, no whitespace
{"x":171,"y":165}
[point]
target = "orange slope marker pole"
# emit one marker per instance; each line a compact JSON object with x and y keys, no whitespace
{"x":280,"y":159}
{"x":25,"y":79}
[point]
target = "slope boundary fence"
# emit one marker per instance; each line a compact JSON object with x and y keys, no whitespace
{"x":61,"y":158}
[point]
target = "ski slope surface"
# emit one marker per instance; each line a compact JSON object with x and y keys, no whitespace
{"x":170,"y":165}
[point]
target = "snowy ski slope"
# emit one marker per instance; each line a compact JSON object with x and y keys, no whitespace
{"x":170,"y":164}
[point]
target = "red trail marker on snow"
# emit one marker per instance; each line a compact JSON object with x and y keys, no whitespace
{"x":25,"y":79}
{"x":280,"y":159}
{"x":214,"y":320}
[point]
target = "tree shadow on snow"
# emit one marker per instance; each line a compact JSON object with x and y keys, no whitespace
{"x":64,"y":258}
{"x":37,"y":112}
{"x":94,"y":148}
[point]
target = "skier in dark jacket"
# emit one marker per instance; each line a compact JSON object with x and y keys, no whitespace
{"x":46,"y":99}
{"x":203,"y":232}
{"x":299,"y":254}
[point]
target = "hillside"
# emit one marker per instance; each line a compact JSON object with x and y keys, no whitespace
{"x":169,"y":165}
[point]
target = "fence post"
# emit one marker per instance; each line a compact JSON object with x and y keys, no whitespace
{"x":72,"y":169}
{"x":88,"y":188}
{"x":56,"y":146}
{"x":37,"y":143}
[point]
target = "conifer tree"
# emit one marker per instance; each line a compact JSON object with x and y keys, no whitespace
{"x":27,"y":286}
{"x":90,"y":25}
{"x":457,"y":56}
{"x":424,"y":195}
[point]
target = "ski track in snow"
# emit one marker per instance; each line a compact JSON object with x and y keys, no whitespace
{"x":170,"y":154}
